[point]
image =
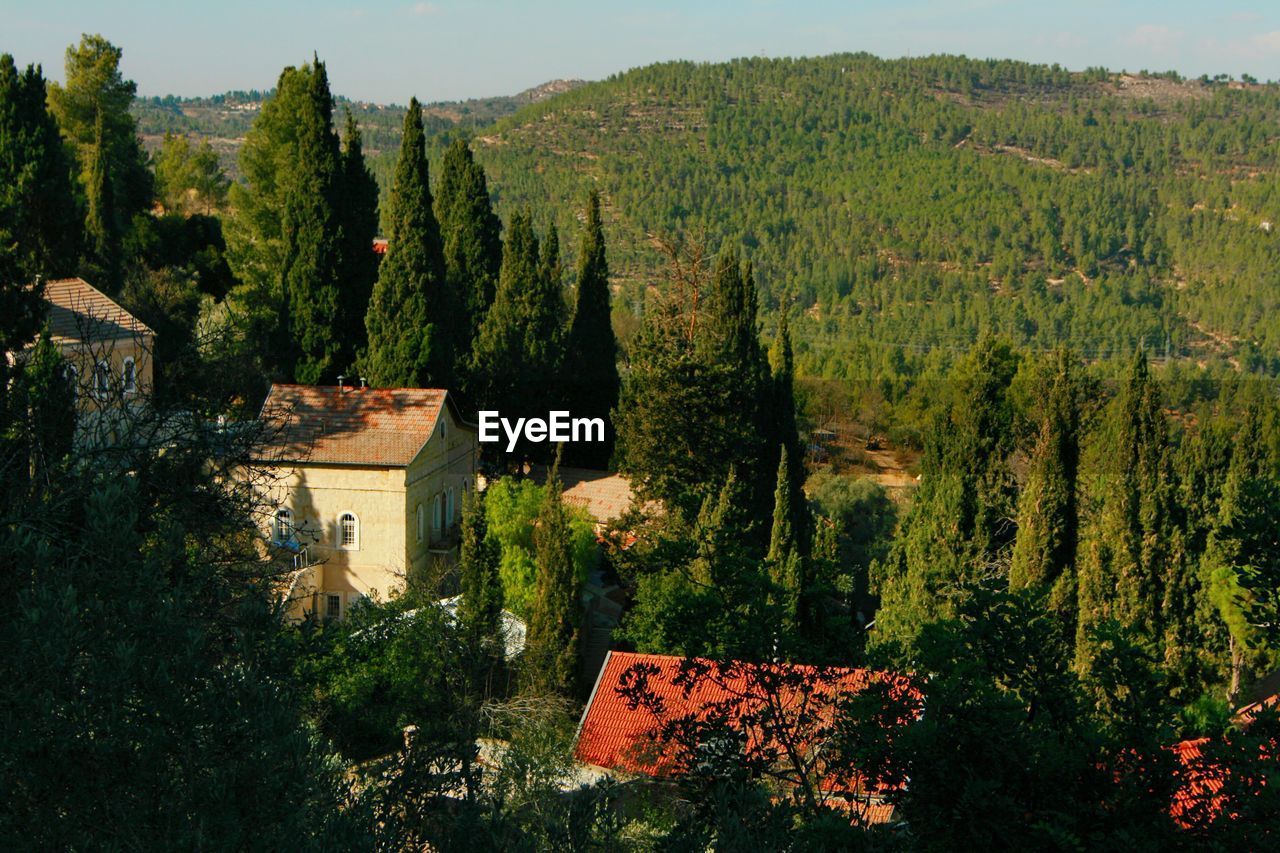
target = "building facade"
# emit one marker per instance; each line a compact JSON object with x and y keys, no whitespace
{"x":366,"y":489}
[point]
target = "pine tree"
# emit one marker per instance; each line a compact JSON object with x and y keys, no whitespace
{"x":592,"y":351}
{"x":313,"y":243}
{"x":472,"y":242}
{"x":554,"y":636}
{"x":408,"y":344}
{"x":481,"y":586}
{"x":39,"y":224}
{"x":358,"y":213}
{"x":1044,"y":553}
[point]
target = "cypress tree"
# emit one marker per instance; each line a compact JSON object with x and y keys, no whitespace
{"x":39,"y":222}
{"x":311,"y":339}
{"x":102,"y":229}
{"x":784,"y":558}
{"x":554,"y":637}
{"x":592,"y":352}
{"x":408,"y":344}
{"x":1044,"y":553}
{"x":785,"y":433}
{"x":1241,"y":564}
{"x":472,"y":242}
{"x":1134,"y":572}
{"x":481,"y":586}
{"x":358,"y":213}
{"x":520,"y":351}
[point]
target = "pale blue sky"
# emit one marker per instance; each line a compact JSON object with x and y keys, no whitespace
{"x":448,"y":49}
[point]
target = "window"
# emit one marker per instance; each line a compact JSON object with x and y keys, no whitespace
{"x":130,"y":375}
{"x":421,"y":517}
{"x":102,"y":380}
{"x":333,"y":607}
{"x":437,"y":515}
{"x":284,"y":525}
{"x":444,"y":428}
{"x":450,"y":506}
{"x":348,"y":531}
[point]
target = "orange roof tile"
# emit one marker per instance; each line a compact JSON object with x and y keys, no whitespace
{"x":80,"y":313}
{"x":383,"y":427}
{"x":615,"y":735}
{"x":603,"y":494}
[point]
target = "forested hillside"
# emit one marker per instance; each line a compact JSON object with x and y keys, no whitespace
{"x":908,"y":204}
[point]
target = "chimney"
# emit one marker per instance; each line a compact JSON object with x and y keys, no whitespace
{"x":341,"y":379}
{"x":362,"y":382}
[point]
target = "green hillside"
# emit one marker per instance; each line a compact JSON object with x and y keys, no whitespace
{"x":903,"y":206}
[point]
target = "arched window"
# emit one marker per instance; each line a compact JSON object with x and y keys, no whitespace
{"x":421,"y":518}
{"x":102,"y":380}
{"x":450,"y":508}
{"x":284,"y":525}
{"x":444,"y":428}
{"x":349,"y":531}
{"x":72,"y":375}
{"x":437,"y":515}
{"x":129,"y":373}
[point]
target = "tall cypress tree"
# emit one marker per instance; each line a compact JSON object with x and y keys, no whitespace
{"x":102,"y":228}
{"x":408,"y":345}
{"x":520,"y":351}
{"x":554,"y":637}
{"x":1044,"y":553}
{"x":481,"y":586}
{"x":472,"y":242}
{"x":358,"y":212}
{"x":1134,"y":571}
{"x":782,"y":412}
{"x":313,"y":240}
{"x":40,"y":224}
{"x":592,"y":351}
{"x":785,"y":564}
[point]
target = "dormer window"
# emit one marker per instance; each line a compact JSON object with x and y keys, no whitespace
{"x":129,"y":375}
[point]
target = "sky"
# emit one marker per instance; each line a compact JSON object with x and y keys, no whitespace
{"x":450,"y":49}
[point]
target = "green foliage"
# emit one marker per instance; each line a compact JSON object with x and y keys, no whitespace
{"x":189,"y":180}
{"x":591,"y":372}
{"x":358,"y":215}
{"x":551,"y":657}
{"x":312,"y":265}
{"x":519,"y":354}
{"x":472,"y":243}
{"x":511,"y":510}
{"x":408,"y":313}
{"x":40,"y":226}
{"x":481,"y":579}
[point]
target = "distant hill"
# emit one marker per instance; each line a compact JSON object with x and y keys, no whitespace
{"x":898,"y":208}
{"x":901,"y":207}
{"x":225,"y":119}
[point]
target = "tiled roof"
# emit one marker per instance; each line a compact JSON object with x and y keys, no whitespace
{"x":384,"y":427}
{"x":604,"y":495}
{"x":1198,"y":801}
{"x":80,"y":313}
{"x":619,"y":737}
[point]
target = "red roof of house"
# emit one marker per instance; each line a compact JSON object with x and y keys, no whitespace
{"x":80,"y":313}
{"x":615,"y":735}
{"x":382,"y":427}
{"x":1198,"y":801}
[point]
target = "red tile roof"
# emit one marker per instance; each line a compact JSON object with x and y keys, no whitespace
{"x":615,"y":735}
{"x":80,"y":313}
{"x":1197,"y":802}
{"x":383,"y":427}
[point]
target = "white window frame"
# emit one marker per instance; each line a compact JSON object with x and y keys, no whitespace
{"x":129,"y":375}
{"x":102,"y":380}
{"x":354,"y":544}
{"x":332,"y":606}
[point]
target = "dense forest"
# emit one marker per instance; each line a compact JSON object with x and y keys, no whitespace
{"x":1050,"y":289}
